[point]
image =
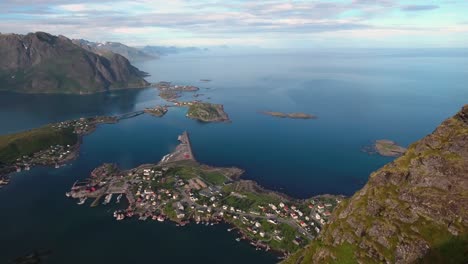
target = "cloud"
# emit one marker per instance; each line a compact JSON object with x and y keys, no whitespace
{"x":414,"y":8}
{"x":216,"y":21}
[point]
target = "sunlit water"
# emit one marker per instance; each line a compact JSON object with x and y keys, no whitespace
{"x":358,"y":99}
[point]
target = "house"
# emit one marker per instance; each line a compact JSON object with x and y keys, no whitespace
{"x":180,"y":214}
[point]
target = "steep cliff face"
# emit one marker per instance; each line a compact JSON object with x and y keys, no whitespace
{"x":413,"y":210}
{"x":42,"y":63}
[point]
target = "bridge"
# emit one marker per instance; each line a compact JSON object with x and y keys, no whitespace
{"x":129,"y":115}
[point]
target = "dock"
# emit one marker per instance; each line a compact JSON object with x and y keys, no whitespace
{"x":182,"y":152}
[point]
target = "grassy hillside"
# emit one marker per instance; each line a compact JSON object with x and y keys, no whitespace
{"x":26,"y":143}
{"x":413,"y":210}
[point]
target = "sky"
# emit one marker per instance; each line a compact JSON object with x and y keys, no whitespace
{"x":267,"y":23}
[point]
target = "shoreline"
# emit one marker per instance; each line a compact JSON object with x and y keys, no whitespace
{"x":183,"y":191}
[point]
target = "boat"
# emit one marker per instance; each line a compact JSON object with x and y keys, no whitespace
{"x":107,"y":199}
{"x":118,"y":198}
{"x":238,"y":239}
{"x":82,"y":200}
{"x":67,"y":194}
{"x":120,"y":217}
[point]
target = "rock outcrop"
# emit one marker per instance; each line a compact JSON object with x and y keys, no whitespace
{"x":413,"y":210}
{"x":43,"y":63}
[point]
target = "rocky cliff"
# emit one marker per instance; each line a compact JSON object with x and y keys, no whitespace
{"x":413,"y":210}
{"x":43,"y":63}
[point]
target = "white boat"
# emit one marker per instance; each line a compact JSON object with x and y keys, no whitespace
{"x":118,"y":198}
{"x":82,"y":200}
{"x":67,"y":194}
{"x":107,"y":199}
{"x":237,"y":239}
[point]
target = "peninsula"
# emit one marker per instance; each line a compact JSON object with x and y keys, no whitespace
{"x":289,"y":115}
{"x":181,"y":190}
{"x":50,"y":145}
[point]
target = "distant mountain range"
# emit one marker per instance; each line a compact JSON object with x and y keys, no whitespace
{"x":42,"y":63}
{"x":164,"y":50}
{"x":133,"y":54}
{"x":106,"y":49}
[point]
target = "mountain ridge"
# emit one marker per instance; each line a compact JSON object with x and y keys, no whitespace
{"x":107,"y":48}
{"x":412,"y":210}
{"x":42,"y":63}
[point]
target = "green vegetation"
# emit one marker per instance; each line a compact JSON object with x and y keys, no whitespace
{"x":214,"y":178}
{"x":249,"y":200}
{"x":192,"y":171}
{"x":16,"y":145}
{"x":61,"y":67}
{"x":410,"y":211}
{"x":290,"y":115}
{"x":452,"y":251}
{"x":207,"y":112}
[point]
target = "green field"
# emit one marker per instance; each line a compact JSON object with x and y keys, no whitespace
{"x":214,"y":178}
{"x":25,"y":143}
{"x":204,"y":111}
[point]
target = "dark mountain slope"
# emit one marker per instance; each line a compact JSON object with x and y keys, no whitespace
{"x":43,"y":63}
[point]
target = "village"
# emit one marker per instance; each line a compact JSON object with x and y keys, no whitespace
{"x":167,"y":86}
{"x":43,"y":147}
{"x":180,"y":190}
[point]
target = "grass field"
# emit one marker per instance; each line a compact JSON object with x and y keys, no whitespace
{"x":25,"y":143}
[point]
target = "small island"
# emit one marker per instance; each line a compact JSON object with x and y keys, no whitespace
{"x":207,"y":112}
{"x":290,"y":115}
{"x":167,"y":86}
{"x":170,"y":96}
{"x":181,"y":190}
{"x":158,"y":111}
{"x":201,"y":111}
{"x":388,"y":148}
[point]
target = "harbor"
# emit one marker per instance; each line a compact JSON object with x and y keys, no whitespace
{"x":180,"y":190}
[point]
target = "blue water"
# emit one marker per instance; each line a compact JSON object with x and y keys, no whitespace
{"x":357,"y":97}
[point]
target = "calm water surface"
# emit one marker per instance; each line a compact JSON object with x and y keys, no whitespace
{"x":358,"y":99}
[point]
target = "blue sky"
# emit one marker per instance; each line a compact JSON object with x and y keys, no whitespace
{"x":268,"y":23}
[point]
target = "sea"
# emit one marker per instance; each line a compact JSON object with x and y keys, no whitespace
{"x":358,"y":96}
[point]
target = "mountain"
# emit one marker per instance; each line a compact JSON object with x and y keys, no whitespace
{"x":43,"y":63}
{"x":163,"y":50}
{"x":413,"y":210}
{"x":106,"y":49}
